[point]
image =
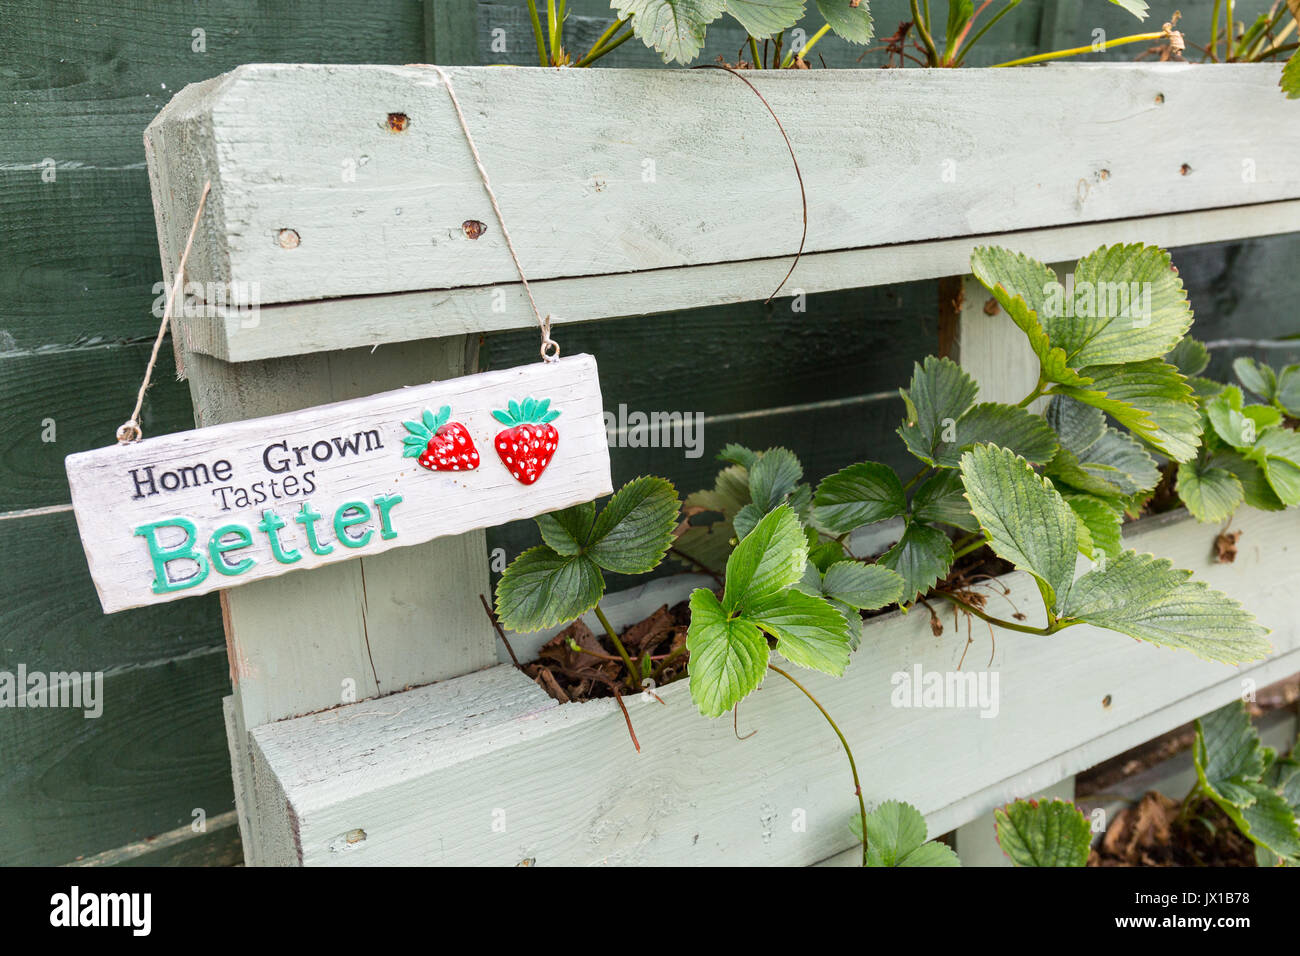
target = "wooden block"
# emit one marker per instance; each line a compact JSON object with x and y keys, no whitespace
{"x":487,"y":769}
{"x":227,"y":505}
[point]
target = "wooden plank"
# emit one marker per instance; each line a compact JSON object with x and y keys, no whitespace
{"x":398,"y":225}
{"x":217,"y":844}
{"x":178,"y":516}
{"x":426,"y":782}
{"x":368,"y":320}
{"x":75,"y":786}
{"x":60,"y":401}
{"x":51,"y":618}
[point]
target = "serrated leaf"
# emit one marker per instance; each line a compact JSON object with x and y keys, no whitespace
{"x":1278,"y":450}
{"x":1290,"y":81}
{"x":673,"y":28}
{"x":1127,"y":305}
{"x":1254,"y":484}
{"x":766,"y":18}
{"x":567,"y":531}
{"x":824,"y":554}
{"x":738,"y":455}
{"x":634,"y":531}
{"x":1189,"y":356}
{"x":940,"y":393}
{"x":809,"y":631}
{"x":941,"y":499}
{"x":1102,"y":522}
{"x":746,"y":520}
{"x":1149,"y":599}
{"x":1078,"y":426}
{"x":1043,"y":833}
{"x":1227,"y":751}
{"x":1015,"y":428}
{"x":541,"y":588}
{"x":728,"y":658}
{"x":1136,"y":7}
{"x":1256,"y":376}
{"x":853,"y":23}
{"x":1116,"y":466}
{"x":1149,"y":398}
{"x":1210,"y":494}
{"x":858,"y":495}
{"x":896,"y":835}
{"x":769,"y":559}
{"x":921,"y":557}
{"x":707,"y":545}
{"x":862,"y":586}
{"x":1024,"y":517}
{"x":1229,"y":421}
{"x":772,"y":477}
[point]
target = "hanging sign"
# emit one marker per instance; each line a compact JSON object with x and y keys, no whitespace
{"x":185,"y":514}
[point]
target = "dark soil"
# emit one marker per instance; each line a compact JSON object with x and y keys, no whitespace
{"x":1154,"y":832}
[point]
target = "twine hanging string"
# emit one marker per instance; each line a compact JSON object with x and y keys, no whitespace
{"x":550,"y":348}
{"x":130,"y":429}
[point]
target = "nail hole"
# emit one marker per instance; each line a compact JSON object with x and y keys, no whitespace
{"x":397,"y":122}
{"x":289,"y":239}
{"x":473,"y":228}
{"x":1160,"y":98}
{"x":1105,"y":702}
{"x":1104,"y":175}
{"x":1184,"y":170}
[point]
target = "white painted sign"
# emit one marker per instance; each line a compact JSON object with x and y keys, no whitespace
{"x":217,"y":507}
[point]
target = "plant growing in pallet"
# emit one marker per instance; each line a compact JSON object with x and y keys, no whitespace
{"x":1037,"y":490}
{"x":1043,"y":833}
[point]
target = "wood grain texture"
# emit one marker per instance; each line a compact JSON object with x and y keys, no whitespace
{"x":131,"y":500}
{"x":288,"y":329}
{"x":216,"y":845}
{"x":73,"y":787}
{"x":397,"y":226}
{"x":426,"y":783}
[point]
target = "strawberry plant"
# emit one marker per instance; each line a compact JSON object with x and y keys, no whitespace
{"x":1037,"y":490}
{"x":1043,"y":833}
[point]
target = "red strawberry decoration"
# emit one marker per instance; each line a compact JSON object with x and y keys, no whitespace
{"x":529,"y":444}
{"x":438,"y":444}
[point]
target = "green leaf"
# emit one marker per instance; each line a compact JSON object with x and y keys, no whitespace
{"x":825,"y":554}
{"x":1024,"y":517}
{"x":747,"y":518}
{"x":959,"y":14}
{"x":858,"y":495}
{"x":1115,"y":466}
{"x":769,"y":559}
{"x":1043,"y":833}
{"x":567,"y":531}
{"x":940,"y":392}
{"x":1229,"y":421}
{"x":809,"y":631}
{"x":1136,"y":7}
{"x":1128,"y":306}
{"x":673,"y":28}
{"x":1149,"y":599}
{"x":1256,"y":376}
{"x":1189,"y":356}
{"x":728,"y":658}
{"x":1290,"y":81}
{"x":1020,"y":284}
{"x":850,"y":22}
{"x":1149,"y":398}
{"x":739,"y":455}
{"x":541,"y":588}
{"x":766,"y":18}
{"x":1278,"y":450}
{"x":772,"y":477}
{"x":896,"y":835}
{"x":1254,"y":483}
{"x":1078,"y":426}
{"x":1101,"y":520}
{"x":635,"y":530}
{"x":862,"y":586}
{"x":942,"y":500}
{"x":921,"y":557}
{"x":1210,"y":494}
{"x":1019,"y":430}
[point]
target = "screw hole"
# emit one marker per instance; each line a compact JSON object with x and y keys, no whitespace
{"x":289,"y":239}
{"x":1105,"y":702}
{"x":473,"y":228}
{"x":1160,"y":98}
{"x":397,"y":122}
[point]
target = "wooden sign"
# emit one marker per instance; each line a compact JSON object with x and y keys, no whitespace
{"x":217,"y":507}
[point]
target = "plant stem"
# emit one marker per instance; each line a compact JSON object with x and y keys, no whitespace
{"x":1009,"y":625}
{"x":857,"y":786}
{"x":799,"y":54}
{"x":1033,"y":396}
{"x":602,"y":39}
{"x":537,"y":32}
{"x":672,"y":655}
{"x":1079,"y":50}
{"x":1228,"y":30}
{"x":923,"y":30}
{"x":607,"y":48}
{"x":917,"y":477}
{"x":973,"y":546}
{"x":622,"y":651}
{"x":753,"y":51}
{"x":961,"y":57}
{"x":1214,"y":31}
